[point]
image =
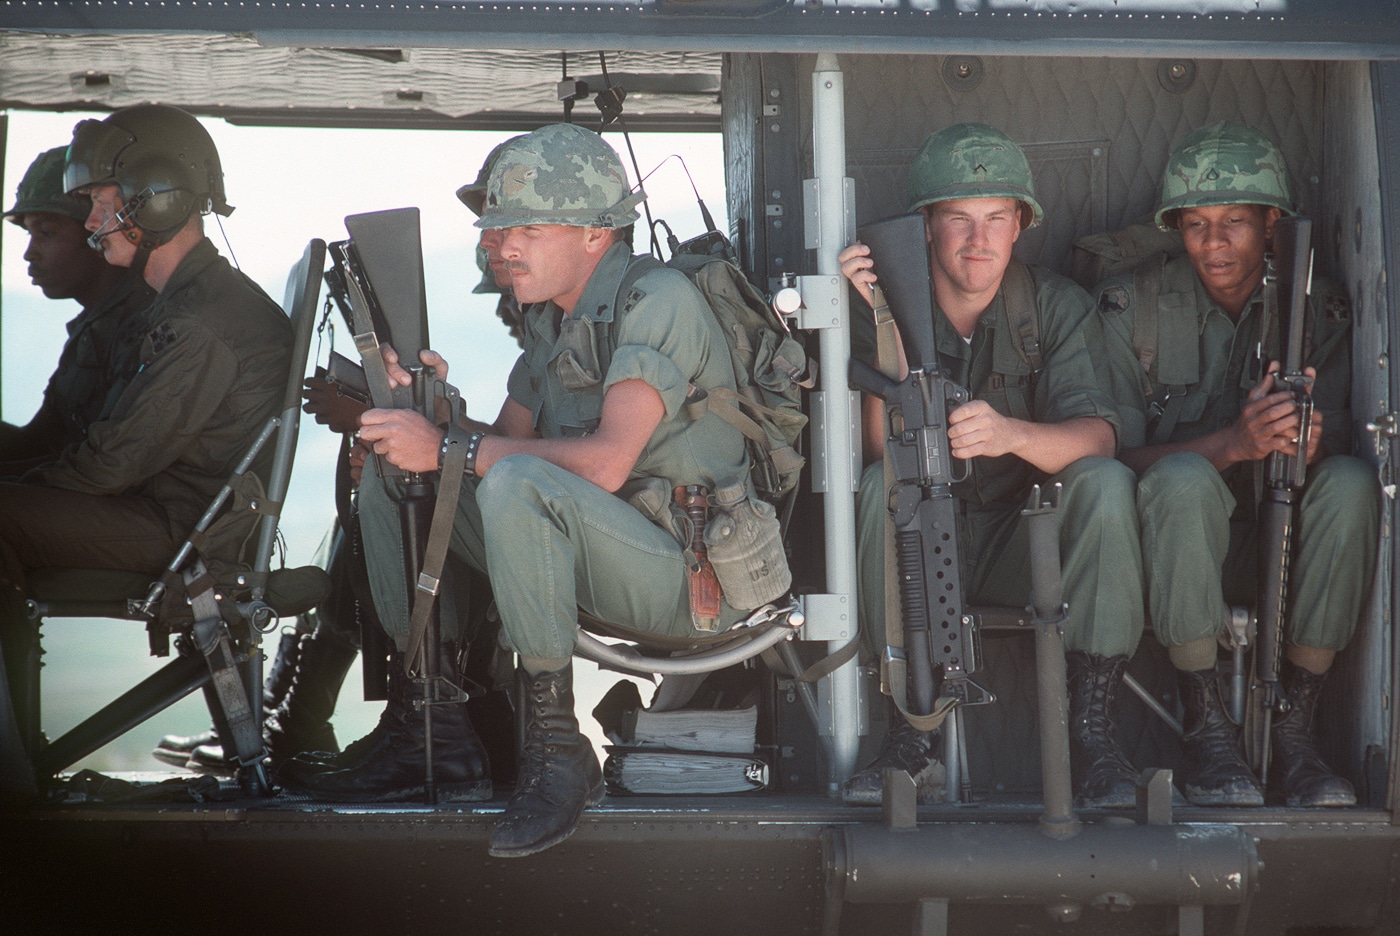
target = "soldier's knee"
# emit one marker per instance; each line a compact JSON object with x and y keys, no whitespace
{"x":1101,"y":486}
{"x":1183,"y":481}
{"x":1344,"y":487}
{"x":510,"y":477}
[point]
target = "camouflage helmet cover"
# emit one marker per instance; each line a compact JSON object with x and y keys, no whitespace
{"x":161,"y":159}
{"x":972,"y":160}
{"x":473,"y":194}
{"x":559,"y":174}
{"x":41,"y":190}
{"x":1224,"y":164}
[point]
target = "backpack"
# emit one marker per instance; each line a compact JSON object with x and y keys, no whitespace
{"x":770,"y":368}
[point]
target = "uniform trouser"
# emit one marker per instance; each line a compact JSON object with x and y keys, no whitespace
{"x":1101,"y":565}
{"x":551,"y":543}
{"x":44,"y":527}
{"x":1197,"y":560}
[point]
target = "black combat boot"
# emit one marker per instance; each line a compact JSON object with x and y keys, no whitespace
{"x":1103,"y":778}
{"x":1216,"y":773}
{"x":559,"y":773}
{"x":295,"y":771}
{"x":180,"y":750}
{"x":393,"y":769}
{"x":1297,"y":772}
{"x":905,"y":748}
{"x":279,"y":675}
{"x":301,"y":722}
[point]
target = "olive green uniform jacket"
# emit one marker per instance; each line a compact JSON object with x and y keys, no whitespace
{"x":1098,"y":555}
{"x":1195,"y":520}
{"x":551,"y":541}
{"x":80,"y":389}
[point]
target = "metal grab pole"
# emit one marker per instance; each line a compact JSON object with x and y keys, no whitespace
{"x":1048,"y":610}
{"x":829,"y":161}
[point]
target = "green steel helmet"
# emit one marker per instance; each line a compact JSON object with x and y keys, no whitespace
{"x":559,"y":174}
{"x":41,"y":190}
{"x":973,"y":160}
{"x":161,"y":159}
{"x":1224,"y":164}
{"x":473,"y":195}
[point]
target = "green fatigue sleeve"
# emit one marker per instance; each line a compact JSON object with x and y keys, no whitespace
{"x":188,"y":372}
{"x":1117,"y":365}
{"x":666,"y":340}
{"x":1331,"y":356}
{"x":1069,"y":386}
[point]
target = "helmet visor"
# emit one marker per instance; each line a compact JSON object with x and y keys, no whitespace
{"x":92,"y":156}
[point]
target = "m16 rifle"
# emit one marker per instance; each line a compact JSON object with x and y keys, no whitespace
{"x":939,"y":637}
{"x":1285,"y":305}
{"x":381,"y":268}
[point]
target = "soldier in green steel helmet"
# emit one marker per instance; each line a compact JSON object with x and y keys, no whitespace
{"x":1200,"y":413}
{"x":566,"y":497}
{"x":63,"y":266}
{"x":1012,"y":334}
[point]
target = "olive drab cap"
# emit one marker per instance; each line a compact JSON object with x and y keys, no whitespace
{"x":41,"y":190}
{"x":488,"y":279}
{"x":473,"y":194}
{"x":163,"y":161}
{"x":973,"y":160}
{"x":559,"y":174}
{"x":1224,"y":164}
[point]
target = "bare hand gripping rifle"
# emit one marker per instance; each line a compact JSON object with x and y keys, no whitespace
{"x":939,"y":637}
{"x":1286,"y":287}
{"x":381,"y":267}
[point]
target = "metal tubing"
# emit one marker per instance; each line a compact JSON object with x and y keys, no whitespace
{"x":626,"y":660}
{"x":1047,"y":600}
{"x":829,"y":160}
{"x":154,"y":694}
{"x":1104,"y":865}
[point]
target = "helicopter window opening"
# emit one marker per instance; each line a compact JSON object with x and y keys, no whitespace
{"x":291,"y":184}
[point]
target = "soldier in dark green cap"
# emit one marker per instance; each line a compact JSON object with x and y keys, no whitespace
{"x":63,"y":265}
{"x":196,"y":377}
{"x":1184,"y":358}
{"x":1037,"y":415}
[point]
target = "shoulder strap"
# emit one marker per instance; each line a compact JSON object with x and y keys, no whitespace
{"x":1018,"y":292}
{"x":1147,"y":294}
{"x":1148,"y":278}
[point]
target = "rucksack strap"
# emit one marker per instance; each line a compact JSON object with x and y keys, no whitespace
{"x":1147,"y":299}
{"x":1018,"y":295}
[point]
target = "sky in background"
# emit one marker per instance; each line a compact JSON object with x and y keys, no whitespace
{"x":288,"y":186}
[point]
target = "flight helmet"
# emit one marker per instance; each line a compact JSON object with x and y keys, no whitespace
{"x":1224,"y":164}
{"x":973,"y":160}
{"x":162,"y":160}
{"x":559,"y":174}
{"x":41,"y":190}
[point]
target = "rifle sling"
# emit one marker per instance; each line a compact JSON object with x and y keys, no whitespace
{"x":449,"y":491}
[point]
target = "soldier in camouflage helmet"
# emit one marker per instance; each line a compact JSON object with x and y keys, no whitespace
{"x":63,"y":266}
{"x":566,"y":497}
{"x":1036,"y":410}
{"x":1199,"y":414}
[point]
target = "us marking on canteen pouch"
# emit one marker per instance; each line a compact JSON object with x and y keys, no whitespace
{"x":1285,"y":287}
{"x":745,"y":544}
{"x":932,"y":636}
